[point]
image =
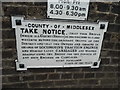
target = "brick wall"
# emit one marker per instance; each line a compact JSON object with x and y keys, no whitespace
{"x":104,"y":77}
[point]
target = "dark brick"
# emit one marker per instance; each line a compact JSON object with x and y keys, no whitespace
{"x":8,"y":54}
{"x":92,"y":69}
{"x":8,"y":11}
{"x":115,"y":37}
{"x":65,"y":83}
{"x":118,"y":19}
{"x":100,"y":16}
{"x":115,"y":9}
{"x":108,"y":81}
{"x":15,"y":85}
{"x":92,"y":7}
{"x":4,"y":79}
{"x":118,"y":37}
{"x":68,"y":69}
{"x":114,"y":53}
{"x":17,"y":3}
{"x":108,"y":45}
{"x":89,"y":75}
{"x":28,"y":78}
{"x":108,"y":86}
{"x":66,"y":76}
{"x":100,"y":75}
{"x":103,"y":7}
{"x":10,"y":71}
{"x":78,"y":75}
{"x":54,"y":76}
{"x":113,"y":28}
{"x":42,"y":3}
{"x":38,"y":12}
{"x":41,"y":77}
{"x":41,"y":70}
{"x":117,"y":46}
{"x":6,"y":22}
{"x":105,"y":61}
{"x":110,"y":75}
{"x":8,"y":63}
{"x":9,"y":44}
{"x":104,"y":53}
{"x":8,"y":34}
{"x":116,"y":3}
{"x":107,"y":36}
{"x":88,"y":82}
{"x":41,"y":84}
{"x":115,"y":61}
{"x":110,"y":68}
{"x":13,"y":79}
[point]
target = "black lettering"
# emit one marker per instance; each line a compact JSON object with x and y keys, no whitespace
{"x":22,"y":29}
{"x":53,"y":31}
{"x":68,"y":26}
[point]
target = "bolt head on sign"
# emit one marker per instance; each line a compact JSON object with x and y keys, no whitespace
{"x":68,"y":9}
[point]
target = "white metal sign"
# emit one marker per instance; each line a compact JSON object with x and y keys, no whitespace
{"x":49,"y":44}
{"x":68,"y":9}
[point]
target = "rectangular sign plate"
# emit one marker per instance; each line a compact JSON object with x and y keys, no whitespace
{"x":51,"y":44}
{"x":68,"y":9}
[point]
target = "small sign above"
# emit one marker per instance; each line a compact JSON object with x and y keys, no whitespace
{"x":68,"y":9}
{"x":52,"y":44}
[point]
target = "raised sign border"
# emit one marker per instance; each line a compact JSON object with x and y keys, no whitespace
{"x":16,"y":20}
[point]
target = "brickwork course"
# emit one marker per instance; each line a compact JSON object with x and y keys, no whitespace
{"x":106,"y":76}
